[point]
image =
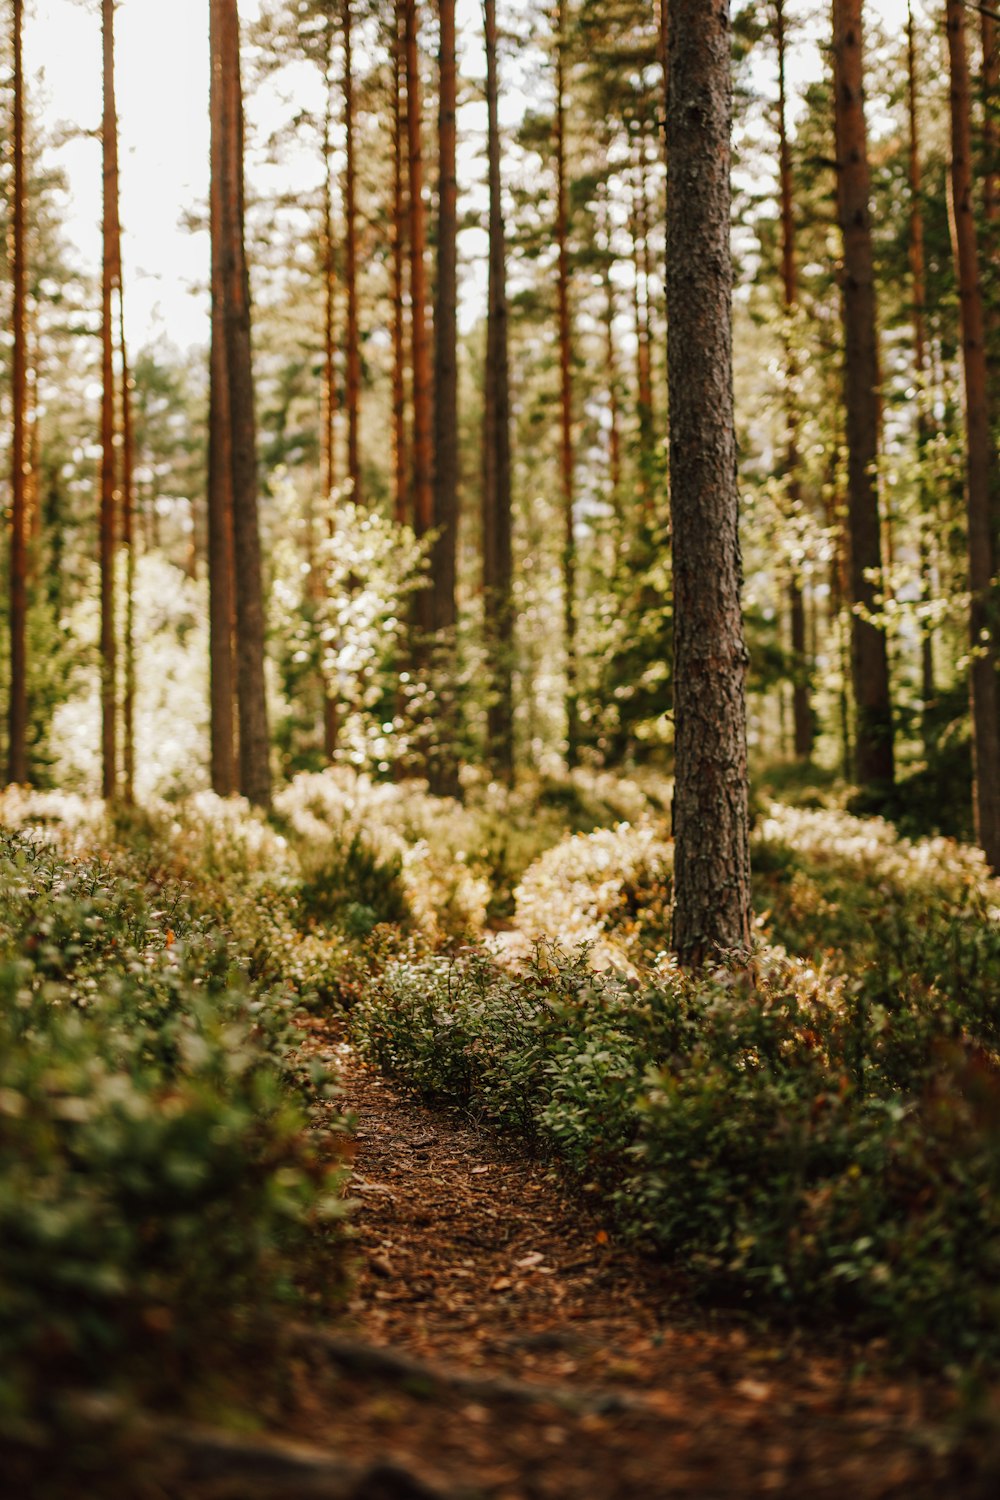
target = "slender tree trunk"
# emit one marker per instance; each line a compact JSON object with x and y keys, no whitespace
{"x":399,"y":445}
{"x":331,"y":716}
{"x":254,"y":743}
{"x":919,"y":296}
{"x":567,"y":455}
{"x":497,"y":549}
{"x":711,"y":820}
{"x":801,"y":706}
{"x":351,"y":268}
{"x":446,"y":336}
{"x":614,"y":404}
{"x":328,"y":445}
{"x":128,"y":545}
{"x":110,"y":281}
{"x":990,"y":36}
{"x":874,"y":762}
{"x":980,"y":454}
{"x":17,"y":751}
{"x":221,"y":568}
{"x":423,"y":492}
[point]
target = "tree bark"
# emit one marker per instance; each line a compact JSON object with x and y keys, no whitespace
{"x":423,"y":491}
{"x":399,"y":445}
{"x":874,"y":760}
{"x":567,"y":454}
{"x":446,"y":336}
{"x":496,"y":514}
{"x":17,"y":751}
{"x":802,"y":716}
{"x":351,"y":267}
{"x":221,"y":568}
{"x":110,"y":281}
{"x":711,"y":821}
{"x":980,"y":456}
{"x":920,"y":368}
{"x":254,"y":742}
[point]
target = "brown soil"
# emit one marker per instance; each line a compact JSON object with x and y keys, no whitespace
{"x":476,"y":1262}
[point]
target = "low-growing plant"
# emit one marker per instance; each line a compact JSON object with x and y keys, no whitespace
{"x":794,"y":1146}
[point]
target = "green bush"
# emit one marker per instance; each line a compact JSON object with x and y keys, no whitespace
{"x":795,"y":1145}
{"x":159,"y":1184}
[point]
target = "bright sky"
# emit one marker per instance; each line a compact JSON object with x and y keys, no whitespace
{"x":163,"y":105}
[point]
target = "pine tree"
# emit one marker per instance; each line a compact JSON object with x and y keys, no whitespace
{"x":17,"y":756}
{"x":711,"y":822}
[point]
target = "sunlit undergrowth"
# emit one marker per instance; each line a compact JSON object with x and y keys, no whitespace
{"x":792,"y":1146}
{"x":162,"y":1185}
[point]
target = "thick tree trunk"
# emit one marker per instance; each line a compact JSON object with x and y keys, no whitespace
{"x":17,"y":751}
{"x":110,"y":281}
{"x":351,"y":268}
{"x":399,"y":446}
{"x":979,"y":452}
{"x":874,"y":762}
{"x":254,"y":747}
{"x":711,"y":821}
{"x":566,"y":454}
{"x":801,"y":706}
{"x":221,"y":569}
{"x":497,"y":553}
{"x":919,"y":300}
{"x":423,"y":492}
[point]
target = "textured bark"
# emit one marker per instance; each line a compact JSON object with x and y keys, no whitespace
{"x":423,"y":492}
{"x":980,"y":456}
{"x":110,"y":281}
{"x":801,"y":706}
{"x":919,"y":304}
{"x":221,"y":579}
{"x":399,"y":446}
{"x":17,"y":724}
{"x":874,"y":762}
{"x":711,"y":821}
{"x":351,"y":267}
{"x":496,"y":515}
{"x":567,"y":458}
{"x":254,"y":742}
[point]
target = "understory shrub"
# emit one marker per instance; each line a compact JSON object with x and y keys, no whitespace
{"x":794,"y":1145}
{"x":160,"y":1182}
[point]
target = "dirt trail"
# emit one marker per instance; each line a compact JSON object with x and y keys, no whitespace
{"x":473,"y":1261}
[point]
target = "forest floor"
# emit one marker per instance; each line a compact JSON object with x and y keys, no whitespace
{"x":499,"y":1343}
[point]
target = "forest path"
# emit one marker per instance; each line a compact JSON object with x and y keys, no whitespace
{"x":474,"y":1261}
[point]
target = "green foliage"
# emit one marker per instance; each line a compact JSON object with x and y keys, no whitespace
{"x":159,"y":1185}
{"x":795,"y":1145}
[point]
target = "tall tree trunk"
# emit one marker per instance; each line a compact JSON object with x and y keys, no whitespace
{"x":442,"y":767}
{"x":351,"y":268}
{"x":331,"y":716}
{"x":567,"y":455}
{"x":611,"y":354}
{"x":919,"y":298}
{"x":497,"y":547}
{"x":128,"y":545}
{"x":423,"y":491}
{"x":980,"y":454}
{"x":221,"y":567}
{"x":399,"y":445}
{"x":110,"y":281}
{"x":17,"y":750}
{"x":254,"y":742}
{"x":990,"y":36}
{"x":874,"y":761}
{"x":711,"y":820}
{"x":328,"y":444}
{"x":801,"y":706}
